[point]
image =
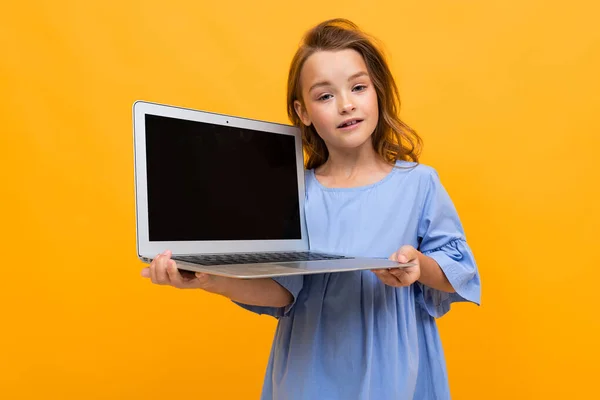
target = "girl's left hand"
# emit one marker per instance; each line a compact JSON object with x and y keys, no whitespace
{"x":399,"y":277}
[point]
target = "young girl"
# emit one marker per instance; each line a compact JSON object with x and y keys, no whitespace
{"x":364,"y":334}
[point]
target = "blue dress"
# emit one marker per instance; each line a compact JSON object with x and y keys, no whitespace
{"x":349,"y":336}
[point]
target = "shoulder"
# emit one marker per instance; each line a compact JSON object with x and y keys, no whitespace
{"x":309,"y":181}
{"x":416,"y":171}
{"x":308,"y":173}
{"x":419,"y":180}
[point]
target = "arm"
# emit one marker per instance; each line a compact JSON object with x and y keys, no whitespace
{"x":427,"y":271}
{"x":259,"y":292}
{"x":432,"y":274}
{"x":256,"y":292}
{"x":445,"y":252}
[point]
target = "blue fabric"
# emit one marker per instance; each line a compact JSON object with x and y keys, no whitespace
{"x":349,"y":336}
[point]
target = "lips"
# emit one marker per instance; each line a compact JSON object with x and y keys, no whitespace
{"x":349,"y":122}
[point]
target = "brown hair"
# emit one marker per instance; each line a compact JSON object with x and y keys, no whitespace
{"x":392,"y":138}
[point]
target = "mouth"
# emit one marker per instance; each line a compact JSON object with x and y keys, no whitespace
{"x":350,"y":123}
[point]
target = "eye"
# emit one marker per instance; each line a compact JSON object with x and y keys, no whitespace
{"x":359,"y":88}
{"x":325,"y":97}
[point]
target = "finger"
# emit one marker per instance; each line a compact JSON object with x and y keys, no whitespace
{"x":146,"y":272}
{"x":392,"y":280}
{"x":174,"y":276}
{"x":406,"y":276}
{"x":386,"y":277}
{"x":162,"y":278}
{"x":406,"y":253}
{"x":153,"y":268}
{"x":202,"y":277}
{"x":205,"y":281}
{"x":399,"y":274}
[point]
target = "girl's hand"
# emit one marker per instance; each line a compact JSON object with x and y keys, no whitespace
{"x":163,"y":271}
{"x":399,"y":277}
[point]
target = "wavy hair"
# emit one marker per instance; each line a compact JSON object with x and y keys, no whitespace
{"x":392,"y":139}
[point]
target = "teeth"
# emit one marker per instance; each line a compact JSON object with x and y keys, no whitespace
{"x":350,"y":123}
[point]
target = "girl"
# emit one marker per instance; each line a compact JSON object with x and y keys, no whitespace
{"x":364,"y":334}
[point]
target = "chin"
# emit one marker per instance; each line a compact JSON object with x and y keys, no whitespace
{"x":353,"y":143}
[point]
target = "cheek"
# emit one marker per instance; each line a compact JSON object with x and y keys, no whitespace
{"x":372,"y":102}
{"x":319,"y":116}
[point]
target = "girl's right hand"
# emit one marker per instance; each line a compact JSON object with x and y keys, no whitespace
{"x":163,"y":271}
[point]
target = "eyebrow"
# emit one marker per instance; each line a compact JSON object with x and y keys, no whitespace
{"x":327,"y":83}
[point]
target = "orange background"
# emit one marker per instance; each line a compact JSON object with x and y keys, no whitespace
{"x":504,"y":93}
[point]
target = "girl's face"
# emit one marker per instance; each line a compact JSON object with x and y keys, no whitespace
{"x":339,"y":99}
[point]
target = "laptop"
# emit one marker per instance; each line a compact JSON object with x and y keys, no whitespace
{"x":226,"y":195}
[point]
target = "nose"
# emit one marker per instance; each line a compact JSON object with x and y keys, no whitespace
{"x":345,"y":105}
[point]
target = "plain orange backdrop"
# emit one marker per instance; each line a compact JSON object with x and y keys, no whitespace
{"x":504,"y":93}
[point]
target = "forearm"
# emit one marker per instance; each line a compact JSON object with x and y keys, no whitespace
{"x":432,"y":275}
{"x":255,"y":292}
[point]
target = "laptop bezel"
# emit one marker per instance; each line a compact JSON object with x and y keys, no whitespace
{"x":148,"y":249}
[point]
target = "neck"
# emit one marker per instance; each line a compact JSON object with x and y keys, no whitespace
{"x":350,"y":165}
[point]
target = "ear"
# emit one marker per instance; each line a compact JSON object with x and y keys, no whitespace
{"x":301,"y":112}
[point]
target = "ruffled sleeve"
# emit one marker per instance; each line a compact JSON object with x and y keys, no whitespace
{"x":442,"y":238}
{"x":293,"y":284}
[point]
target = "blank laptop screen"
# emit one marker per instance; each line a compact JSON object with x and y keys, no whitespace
{"x":211,"y":182}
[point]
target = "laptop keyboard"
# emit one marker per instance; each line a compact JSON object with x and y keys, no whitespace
{"x":256,"y":258}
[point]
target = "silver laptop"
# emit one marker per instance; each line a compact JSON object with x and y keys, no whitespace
{"x":225,"y":195}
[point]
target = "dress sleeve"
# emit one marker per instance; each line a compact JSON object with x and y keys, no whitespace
{"x":442,"y":238}
{"x":293,"y":284}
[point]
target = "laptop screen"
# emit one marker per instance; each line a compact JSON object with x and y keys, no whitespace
{"x":211,"y":182}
